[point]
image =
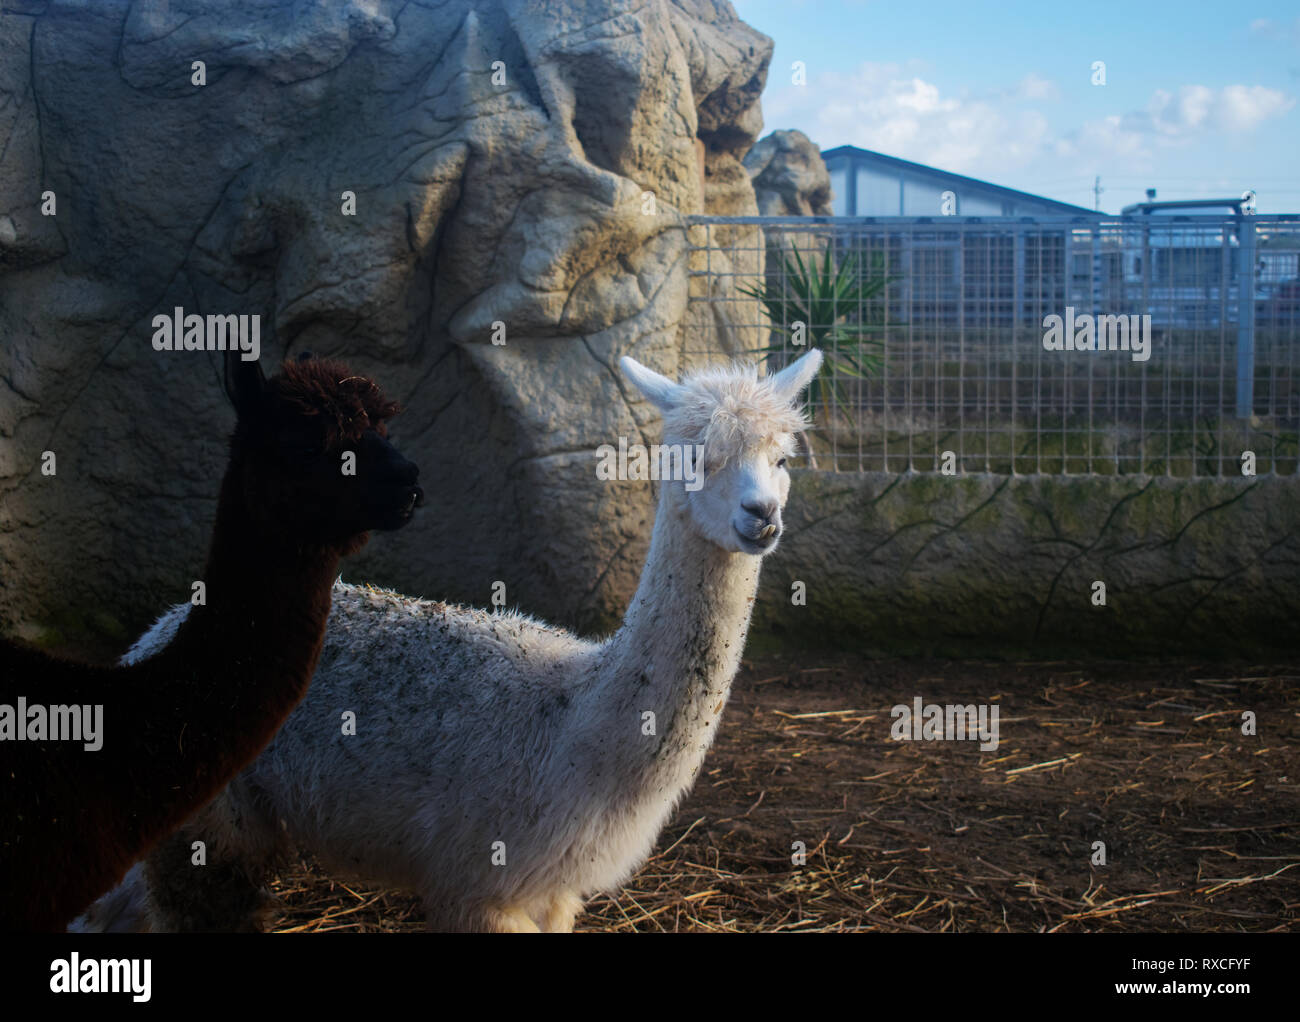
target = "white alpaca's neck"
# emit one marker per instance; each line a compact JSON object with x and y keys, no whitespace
{"x":675,"y":656}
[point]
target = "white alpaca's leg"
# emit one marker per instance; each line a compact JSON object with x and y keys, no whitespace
{"x":560,"y":913}
{"x":508,"y":919}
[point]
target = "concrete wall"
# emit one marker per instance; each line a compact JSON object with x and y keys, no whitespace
{"x":954,"y":564}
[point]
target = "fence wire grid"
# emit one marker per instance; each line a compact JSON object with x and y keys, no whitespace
{"x":937,"y":337}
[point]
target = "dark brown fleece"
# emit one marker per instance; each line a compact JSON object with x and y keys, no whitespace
{"x":178,"y":727}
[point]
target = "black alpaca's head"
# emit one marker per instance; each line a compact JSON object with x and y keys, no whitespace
{"x":312,"y":445}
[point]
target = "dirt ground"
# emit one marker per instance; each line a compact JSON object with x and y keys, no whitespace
{"x":1201,"y":824}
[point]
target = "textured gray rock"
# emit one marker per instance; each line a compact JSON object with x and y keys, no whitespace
{"x":789,"y":175}
{"x":790,"y":179}
{"x":500,"y":155}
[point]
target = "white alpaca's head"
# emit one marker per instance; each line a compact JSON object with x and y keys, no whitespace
{"x":746,"y":425}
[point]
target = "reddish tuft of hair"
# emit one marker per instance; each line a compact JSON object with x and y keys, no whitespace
{"x":348,"y":402}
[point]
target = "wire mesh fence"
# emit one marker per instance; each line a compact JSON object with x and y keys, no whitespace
{"x":1156,"y":344}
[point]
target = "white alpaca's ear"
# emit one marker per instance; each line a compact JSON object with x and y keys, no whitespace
{"x":661,"y":391}
{"x":791,"y":380}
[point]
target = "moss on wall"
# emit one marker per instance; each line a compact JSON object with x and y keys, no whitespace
{"x":954,"y":564}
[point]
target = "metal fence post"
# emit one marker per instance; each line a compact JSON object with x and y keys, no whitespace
{"x":1017,"y":310}
{"x":1095,"y":271}
{"x":1245,"y":316}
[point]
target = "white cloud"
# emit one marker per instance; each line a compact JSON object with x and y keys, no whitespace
{"x":1035,"y":87}
{"x":1105,"y":143}
{"x":1194,"y":109}
{"x":1268,"y":28}
{"x":1241,"y":107}
{"x":1170,"y":120}
{"x":895,"y":111}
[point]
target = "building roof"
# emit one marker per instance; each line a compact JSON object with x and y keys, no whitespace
{"x":1159,"y":207}
{"x":948,"y":177}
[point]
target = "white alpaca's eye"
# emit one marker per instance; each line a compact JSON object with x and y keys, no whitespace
{"x":781,"y":463}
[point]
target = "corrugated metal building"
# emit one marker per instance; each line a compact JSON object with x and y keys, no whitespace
{"x":868,"y":183}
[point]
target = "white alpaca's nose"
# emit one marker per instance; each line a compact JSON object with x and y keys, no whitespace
{"x":764,"y":510}
{"x":759,"y":523}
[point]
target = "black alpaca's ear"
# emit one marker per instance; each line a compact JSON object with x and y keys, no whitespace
{"x":244,"y":383}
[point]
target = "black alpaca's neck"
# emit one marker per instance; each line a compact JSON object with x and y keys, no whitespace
{"x":250,"y":651}
{"x":267,"y":591}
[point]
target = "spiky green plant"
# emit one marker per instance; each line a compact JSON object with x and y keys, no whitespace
{"x":842,"y":306}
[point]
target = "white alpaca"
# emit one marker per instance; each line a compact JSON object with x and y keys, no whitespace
{"x":501,"y":767}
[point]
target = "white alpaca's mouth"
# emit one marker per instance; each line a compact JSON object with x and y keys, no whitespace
{"x":760,"y":544}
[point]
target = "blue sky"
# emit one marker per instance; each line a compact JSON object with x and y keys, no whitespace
{"x":1200,"y":100}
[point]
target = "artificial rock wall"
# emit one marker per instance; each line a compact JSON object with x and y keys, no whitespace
{"x":518,"y":172}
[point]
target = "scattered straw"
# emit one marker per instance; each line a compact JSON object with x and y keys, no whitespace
{"x":940,"y":836}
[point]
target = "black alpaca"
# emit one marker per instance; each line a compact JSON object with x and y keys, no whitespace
{"x":177,"y":727}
